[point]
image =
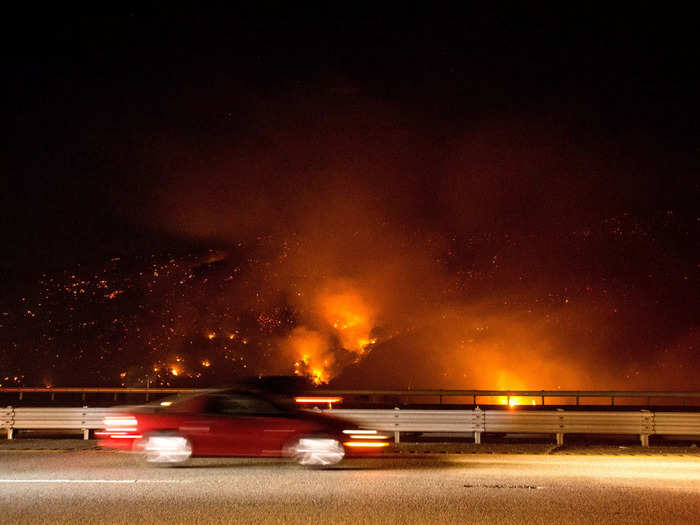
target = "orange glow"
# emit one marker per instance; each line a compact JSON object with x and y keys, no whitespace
{"x":515,"y":401}
{"x":352,"y":318}
{"x":313,"y":358}
{"x":317,"y":376}
{"x":206,"y":363}
{"x":131,"y":436}
{"x":508,"y":381}
{"x":366,"y":342}
{"x":174,"y":371}
{"x":211,"y":335}
{"x":366,"y":444}
{"x":348,"y":320}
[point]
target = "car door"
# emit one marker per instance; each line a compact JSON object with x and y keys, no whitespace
{"x":247,"y":425}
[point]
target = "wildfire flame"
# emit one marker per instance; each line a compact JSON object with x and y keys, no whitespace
{"x":348,"y":319}
{"x":507,"y":381}
{"x":351,"y":317}
{"x":313,"y":358}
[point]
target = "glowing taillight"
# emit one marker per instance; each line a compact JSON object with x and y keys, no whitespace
{"x":119,"y":427}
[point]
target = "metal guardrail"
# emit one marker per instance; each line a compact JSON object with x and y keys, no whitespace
{"x":558,"y":422}
{"x":506,"y":395}
{"x":20,"y":391}
{"x":83,"y":419}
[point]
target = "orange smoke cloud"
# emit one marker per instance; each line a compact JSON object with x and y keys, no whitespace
{"x":461,"y":250}
{"x":351,"y":317}
{"x":344,"y":321}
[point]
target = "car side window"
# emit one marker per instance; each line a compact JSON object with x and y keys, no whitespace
{"x":240,"y":405}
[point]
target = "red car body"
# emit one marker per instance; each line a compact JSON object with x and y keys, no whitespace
{"x":235,"y":423}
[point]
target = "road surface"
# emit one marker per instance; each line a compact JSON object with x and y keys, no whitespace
{"x":93,"y":486}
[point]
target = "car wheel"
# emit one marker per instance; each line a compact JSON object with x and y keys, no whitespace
{"x":167,"y":449}
{"x":316,"y":451}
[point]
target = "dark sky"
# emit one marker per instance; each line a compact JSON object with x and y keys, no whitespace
{"x":408,"y":134}
{"x":89,"y":99}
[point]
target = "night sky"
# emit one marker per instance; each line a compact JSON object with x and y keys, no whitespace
{"x":484,"y":199}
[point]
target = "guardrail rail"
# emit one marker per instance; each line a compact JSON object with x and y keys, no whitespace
{"x":463,"y":397}
{"x":557,"y":422}
{"x":397,"y":421}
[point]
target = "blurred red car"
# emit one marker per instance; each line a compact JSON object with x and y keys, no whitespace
{"x":235,"y":423}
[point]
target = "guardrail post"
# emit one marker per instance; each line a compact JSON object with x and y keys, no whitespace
{"x":479,"y":424}
{"x":86,"y":431}
{"x":647,"y":427}
{"x":560,"y":434}
{"x":11,"y":416}
{"x":397,"y":433}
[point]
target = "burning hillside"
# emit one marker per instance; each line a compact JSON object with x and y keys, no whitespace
{"x":209,"y":318}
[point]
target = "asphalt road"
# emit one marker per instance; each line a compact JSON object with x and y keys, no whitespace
{"x":93,"y":486}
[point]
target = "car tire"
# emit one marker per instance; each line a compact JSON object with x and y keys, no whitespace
{"x":315,"y":451}
{"x":166,"y":449}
